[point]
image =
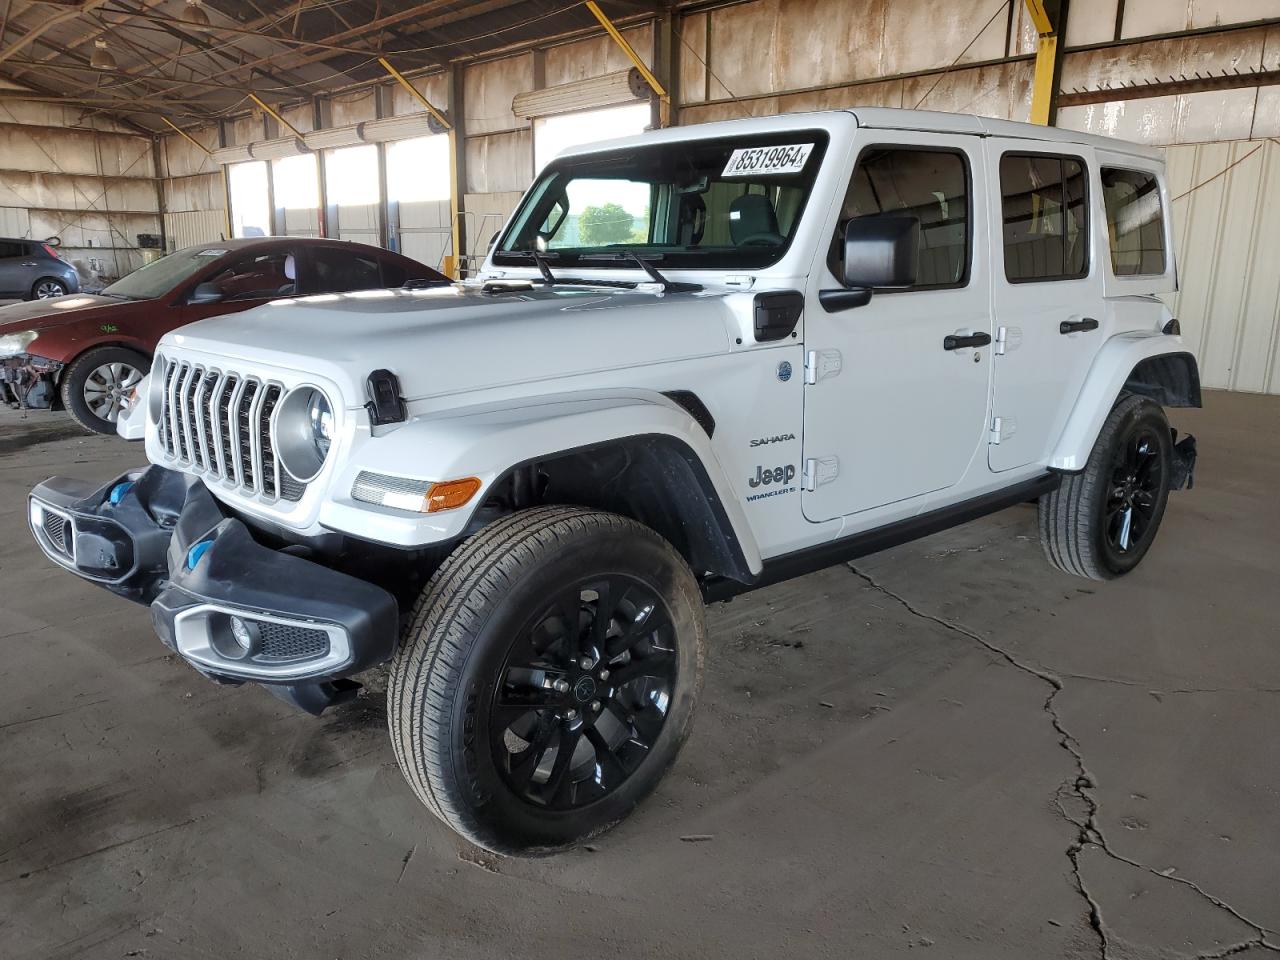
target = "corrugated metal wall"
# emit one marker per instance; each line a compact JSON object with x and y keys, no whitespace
{"x":87,"y":181}
{"x":186,"y":228}
{"x":1228,"y":248}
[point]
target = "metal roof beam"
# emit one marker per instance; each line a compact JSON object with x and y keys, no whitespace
{"x":35,"y":33}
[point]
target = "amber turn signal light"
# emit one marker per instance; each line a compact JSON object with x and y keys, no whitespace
{"x":450,"y":494}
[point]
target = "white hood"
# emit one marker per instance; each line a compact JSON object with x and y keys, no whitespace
{"x":447,"y":340}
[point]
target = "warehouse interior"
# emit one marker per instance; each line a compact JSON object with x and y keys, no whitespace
{"x":289,"y":122}
{"x":947,"y":746}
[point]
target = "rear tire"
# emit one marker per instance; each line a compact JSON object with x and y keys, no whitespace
{"x":46,"y":288}
{"x":548,"y":677}
{"x":98,"y":381}
{"x":1101,"y":522}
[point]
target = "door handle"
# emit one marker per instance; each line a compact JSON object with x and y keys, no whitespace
{"x":1078,"y":326}
{"x":30,"y":263}
{"x":953,"y":341}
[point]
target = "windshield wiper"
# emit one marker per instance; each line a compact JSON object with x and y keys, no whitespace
{"x":539,"y":258}
{"x":668,"y":286}
{"x":543,"y":269}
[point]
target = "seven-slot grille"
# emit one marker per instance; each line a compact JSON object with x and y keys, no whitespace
{"x":218,"y":423}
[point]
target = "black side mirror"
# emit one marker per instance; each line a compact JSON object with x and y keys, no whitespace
{"x":880,"y":253}
{"x":208,"y":292}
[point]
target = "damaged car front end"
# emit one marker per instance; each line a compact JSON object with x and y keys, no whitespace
{"x":28,"y":382}
{"x":236,"y":610}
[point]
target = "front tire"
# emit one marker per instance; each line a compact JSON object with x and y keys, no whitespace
{"x":548,"y":677}
{"x":96,"y":385}
{"x":1101,"y":522}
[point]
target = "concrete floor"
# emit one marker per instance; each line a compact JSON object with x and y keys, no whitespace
{"x":949,"y":748}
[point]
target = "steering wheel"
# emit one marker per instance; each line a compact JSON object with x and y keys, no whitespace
{"x":767,"y":238}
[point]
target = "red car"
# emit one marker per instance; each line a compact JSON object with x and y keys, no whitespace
{"x":92,"y":350}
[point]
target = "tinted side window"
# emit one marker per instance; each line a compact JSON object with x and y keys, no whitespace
{"x":393,"y":274}
{"x":932,"y":185}
{"x":1045,"y":203}
{"x":337,"y":271}
{"x":255,"y":277}
{"x":10,"y":249}
{"x":1135,"y":222}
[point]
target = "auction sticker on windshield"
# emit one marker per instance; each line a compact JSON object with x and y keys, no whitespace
{"x":751,"y":161}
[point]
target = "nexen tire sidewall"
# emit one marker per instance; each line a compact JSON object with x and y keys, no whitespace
{"x":501,"y":815}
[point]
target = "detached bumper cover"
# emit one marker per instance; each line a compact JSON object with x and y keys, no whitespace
{"x":120,"y":545}
{"x":234,"y":609}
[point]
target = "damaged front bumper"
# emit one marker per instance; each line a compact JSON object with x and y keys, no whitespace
{"x":234,"y":609}
{"x":28,"y":381}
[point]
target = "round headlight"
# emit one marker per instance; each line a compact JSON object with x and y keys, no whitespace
{"x":321,"y":416}
{"x":304,"y":432}
{"x":152,"y":389}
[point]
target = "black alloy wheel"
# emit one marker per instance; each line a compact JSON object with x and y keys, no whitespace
{"x":1137,"y":478}
{"x":547,"y":677}
{"x":1100,"y":522}
{"x":584,"y":693}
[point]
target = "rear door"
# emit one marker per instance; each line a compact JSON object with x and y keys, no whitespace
{"x":897,"y":390}
{"x":1047,"y":293}
{"x":341,"y":269}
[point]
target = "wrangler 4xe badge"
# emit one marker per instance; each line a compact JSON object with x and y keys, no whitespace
{"x":779,"y":478}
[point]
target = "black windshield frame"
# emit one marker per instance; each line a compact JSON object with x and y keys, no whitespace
{"x":658,"y":162}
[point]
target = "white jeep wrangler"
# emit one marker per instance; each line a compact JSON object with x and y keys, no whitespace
{"x":696,"y":362}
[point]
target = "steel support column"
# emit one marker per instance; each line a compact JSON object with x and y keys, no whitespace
{"x":1049,"y":18}
{"x":452,"y":264}
{"x":664,"y":98}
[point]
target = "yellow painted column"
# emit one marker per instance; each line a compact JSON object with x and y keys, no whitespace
{"x":1046,"y":62}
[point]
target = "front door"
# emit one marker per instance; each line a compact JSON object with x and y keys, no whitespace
{"x":1047,"y":295}
{"x":896,"y":402}
{"x":248,"y":282}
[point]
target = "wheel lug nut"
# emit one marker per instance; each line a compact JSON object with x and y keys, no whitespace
{"x":571,"y":715}
{"x":585,"y":663}
{"x":604,"y":674}
{"x":595,"y":706}
{"x":561,"y":686}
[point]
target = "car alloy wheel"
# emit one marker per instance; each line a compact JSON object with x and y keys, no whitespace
{"x":108,"y":387}
{"x":1136,"y":474}
{"x":584,"y":693}
{"x":48,"y":289}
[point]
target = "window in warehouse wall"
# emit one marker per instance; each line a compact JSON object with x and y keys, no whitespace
{"x":352,"y":177}
{"x":295,"y":183}
{"x":418,"y":186}
{"x":553,"y":134}
{"x":250,"y":199}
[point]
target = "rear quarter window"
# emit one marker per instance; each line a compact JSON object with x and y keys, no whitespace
{"x":1135,"y":222}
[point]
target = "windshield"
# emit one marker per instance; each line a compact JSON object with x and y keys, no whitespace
{"x":731,"y":202}
{"x":161,"y":276}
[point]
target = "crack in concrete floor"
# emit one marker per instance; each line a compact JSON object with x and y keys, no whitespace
{"x":1089,"y":830}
